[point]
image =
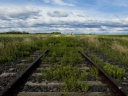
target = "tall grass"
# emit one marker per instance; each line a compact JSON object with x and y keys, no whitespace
{"x":15,"y":46}
{"x":119,"y":48}
{"x":114,"y":47}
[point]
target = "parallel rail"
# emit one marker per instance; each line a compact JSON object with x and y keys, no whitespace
{"x":117,"y":88}
{"x":9,"y":90}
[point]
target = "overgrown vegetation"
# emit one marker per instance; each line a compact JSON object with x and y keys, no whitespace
{"x":110,"y":49}
{"x":12,"y":46}
{"x":65,"y":70}
{"x":64,"y":55}
{"x":114,"y":47}
{"x":115,"y":71}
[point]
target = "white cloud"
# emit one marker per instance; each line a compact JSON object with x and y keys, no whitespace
{"x":45,"y":19}
{"x":18,"y":12}
{"x":104,"y":27}
{"x":59,"y":2}
{"x":57,"y":14}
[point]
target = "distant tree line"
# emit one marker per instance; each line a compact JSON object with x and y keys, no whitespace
{"x":56,"y":33}
{"x":15,"y":32}
{"x":18,"y":32}
{"x":50,"y":33}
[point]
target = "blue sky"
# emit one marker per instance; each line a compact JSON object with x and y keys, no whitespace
{"x":78,"y":16}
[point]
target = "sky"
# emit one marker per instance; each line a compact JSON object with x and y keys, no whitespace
{"x":65,"y":16}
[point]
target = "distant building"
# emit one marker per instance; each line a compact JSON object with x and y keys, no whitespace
{"x":71,"y":33}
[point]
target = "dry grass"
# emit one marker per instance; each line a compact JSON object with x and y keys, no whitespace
{"x":27,"y":40}
{"x":125,"y":38}
{"x":11,"y":44}
{"x":56,"y":35}
{"x":119,"y":48}
{"x":94,"y":41}
{"x":15,"y":42}
{"x":1,"y":45}
{"x":91,"y":40}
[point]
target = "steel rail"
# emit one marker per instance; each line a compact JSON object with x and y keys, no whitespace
{"x":10,"y":89}
{"x":119,"y":90}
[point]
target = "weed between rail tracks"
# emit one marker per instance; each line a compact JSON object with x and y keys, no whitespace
{"x":65,"y":70}
{"x":64,"y":54}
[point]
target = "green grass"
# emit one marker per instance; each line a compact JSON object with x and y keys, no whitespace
{"x":64,"y":70}
{"x":15,"y":46}
{"x":64,"y":54}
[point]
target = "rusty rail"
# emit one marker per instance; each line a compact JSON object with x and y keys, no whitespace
{"x":118,"y":89}
{"x":10,"y":89}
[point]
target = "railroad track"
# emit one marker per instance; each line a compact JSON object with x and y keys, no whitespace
{"x":117,"y":89}
{"x":14,"y":74}
{"x":31,"y":81}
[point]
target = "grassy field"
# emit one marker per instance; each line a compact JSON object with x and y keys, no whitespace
{"x":108,"y":51}
{"x":113,"y":46}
